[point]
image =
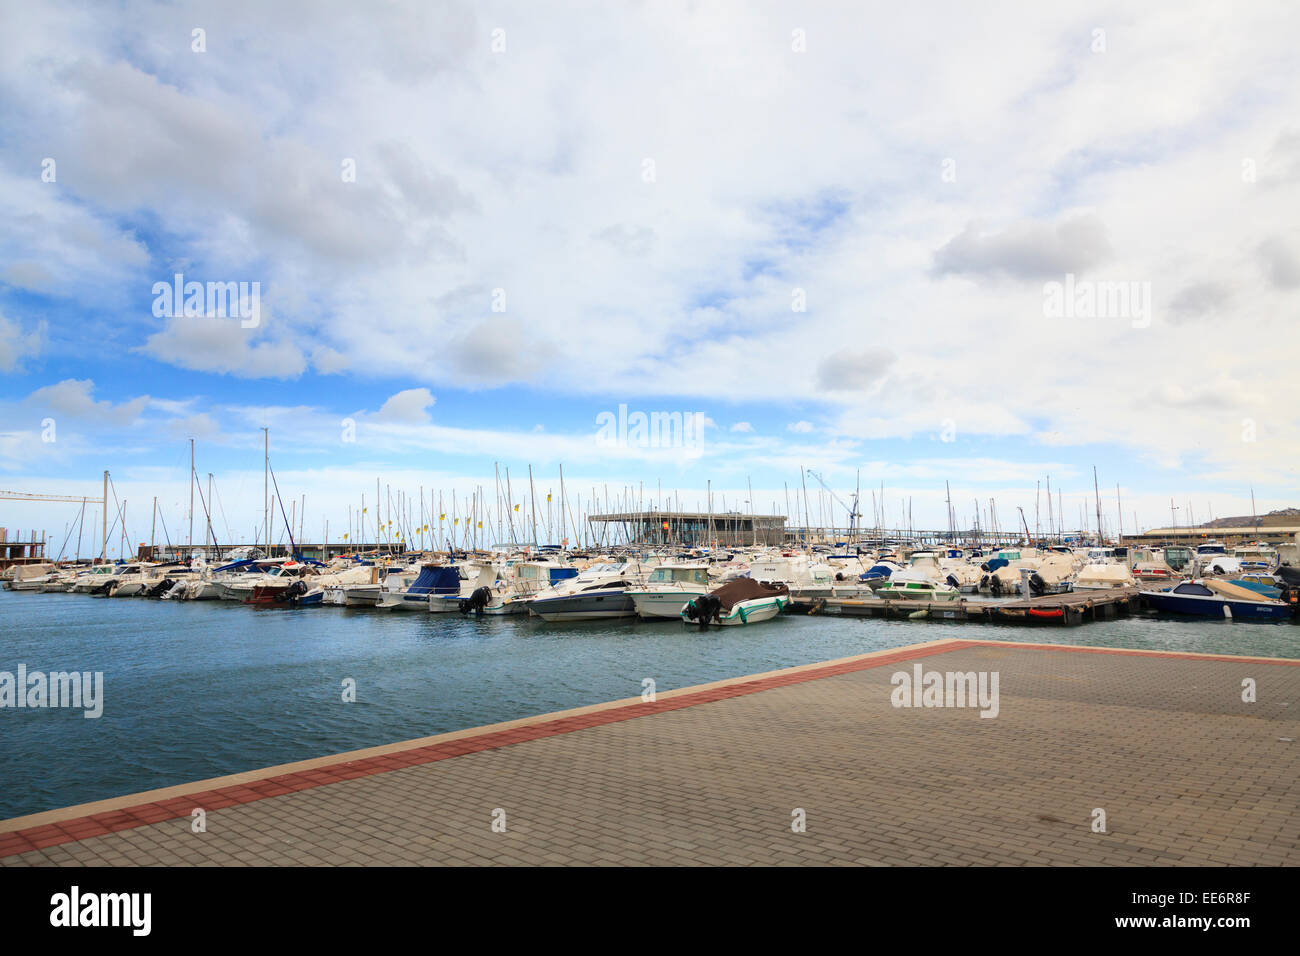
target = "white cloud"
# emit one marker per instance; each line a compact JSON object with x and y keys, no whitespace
{"x":1026,"y":250}
{"x":73,"y":398}
{"x":17,"y":344}
{"x":409,"y":407}
{"x":211,"y":344}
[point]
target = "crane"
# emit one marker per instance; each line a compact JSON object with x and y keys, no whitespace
{"x":1029,"y":538}
{"x":854,"y":513}
{"x":32,"y":496}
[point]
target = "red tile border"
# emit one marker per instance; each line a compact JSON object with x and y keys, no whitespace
{"x":40,"y":837}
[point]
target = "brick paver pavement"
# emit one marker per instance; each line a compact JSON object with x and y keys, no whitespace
{"x":1184,"y":770}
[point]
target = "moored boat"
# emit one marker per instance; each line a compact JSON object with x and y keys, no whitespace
{"x":669,"y":588}
{"x":740,"y":601}
{"x":1215,"y":598}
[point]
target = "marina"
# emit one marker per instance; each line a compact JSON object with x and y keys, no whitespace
{"x":647,"y":435}
{"x":1063,"y":610}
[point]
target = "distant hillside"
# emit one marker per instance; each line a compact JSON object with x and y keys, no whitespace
{"x":1283,"y":516}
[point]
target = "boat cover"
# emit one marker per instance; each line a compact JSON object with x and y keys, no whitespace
{"x":1234,"y":592}
{"x":746,"y":589}
{"x":436,"y":580}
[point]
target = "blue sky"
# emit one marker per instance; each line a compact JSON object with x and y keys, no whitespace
{"x":831,"y":237}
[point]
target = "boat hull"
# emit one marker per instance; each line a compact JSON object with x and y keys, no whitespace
{"x":1201,"y":606}
{"x":747,"y":612}
{"x":664,"y":604}
{"x":588,"y":606}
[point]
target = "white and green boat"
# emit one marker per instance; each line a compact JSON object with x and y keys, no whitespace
{"x":914,"y":590}
{"x":739,"y":601}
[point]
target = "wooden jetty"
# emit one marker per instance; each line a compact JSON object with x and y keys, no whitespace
{"x":1064,"y":610}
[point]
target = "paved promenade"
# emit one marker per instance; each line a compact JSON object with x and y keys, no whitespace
{"x":1184,"y":770}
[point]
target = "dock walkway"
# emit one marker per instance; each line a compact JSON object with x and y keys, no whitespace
{"x":1069,"y":609}
{"x":1184,"y":770}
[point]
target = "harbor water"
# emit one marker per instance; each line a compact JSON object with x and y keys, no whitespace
{"x":200,"y":689}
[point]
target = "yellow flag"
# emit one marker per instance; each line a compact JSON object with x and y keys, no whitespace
{"x":516,"y":507}
{"x":548,"y":497}
{"x":455,"y":521}
{"x":480,"y":524}
{"x":442,"y":517}
{"x":364,"y":510}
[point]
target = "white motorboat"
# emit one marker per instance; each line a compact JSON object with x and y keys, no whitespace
{"x":669,"y":588}
{"x":599,"y":592}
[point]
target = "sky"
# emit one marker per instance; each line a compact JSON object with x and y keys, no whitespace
{"x":939,"y":246}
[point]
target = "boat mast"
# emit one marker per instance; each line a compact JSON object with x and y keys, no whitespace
{"x":1119,"y":507}
{"x":807,"y":521}
{"x":266,"y":488}
{"x":753,"y":525}
{"x":532,"y":500}
{"x":1096,"y":494}
{"x":561,"y":504}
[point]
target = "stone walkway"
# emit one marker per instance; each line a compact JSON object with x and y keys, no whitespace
{"x":1184,"y":771}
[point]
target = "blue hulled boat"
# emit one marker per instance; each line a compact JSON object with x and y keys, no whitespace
{"x":1216,"y":599}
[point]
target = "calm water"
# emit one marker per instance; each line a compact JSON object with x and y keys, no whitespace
{"x":201,"y":689}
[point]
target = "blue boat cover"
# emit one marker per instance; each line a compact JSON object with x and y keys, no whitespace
{"x":237,"y":564}
{"x":559,"y":574}
{"x":442,"y":580}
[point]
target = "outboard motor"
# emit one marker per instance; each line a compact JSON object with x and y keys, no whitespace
{"x":1036,"y":583}
{"x":952,"y":580}
{"x":704,"y":608}
{"x":161,"y":588}
{"x":477,"y":601}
